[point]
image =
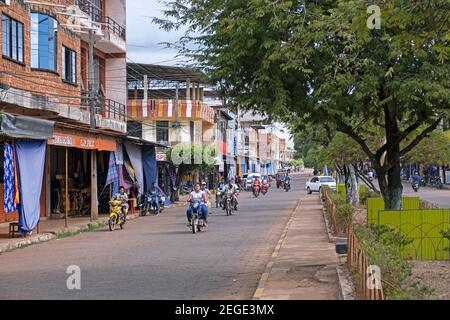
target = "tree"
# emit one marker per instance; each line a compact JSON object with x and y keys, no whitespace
{"x":434,"y":149}
{"x":317,"y":62}
{"x":192,"y":158}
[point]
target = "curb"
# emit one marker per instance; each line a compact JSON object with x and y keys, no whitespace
{"x":346,"y":288}
{"x":331,"y":238}
{"x":48,"y":236}
{"x":265,"y":276}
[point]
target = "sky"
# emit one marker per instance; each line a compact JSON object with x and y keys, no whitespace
{"x":144,"y":39}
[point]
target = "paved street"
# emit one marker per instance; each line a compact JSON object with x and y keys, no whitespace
{"x":439,"y":197}
{"x":157,"y":257}
{"x":430,"y":194}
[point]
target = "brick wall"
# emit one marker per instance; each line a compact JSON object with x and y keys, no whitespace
{"x":21,"y":76}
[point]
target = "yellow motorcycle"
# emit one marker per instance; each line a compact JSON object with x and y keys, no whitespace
{"x":116,"y":216}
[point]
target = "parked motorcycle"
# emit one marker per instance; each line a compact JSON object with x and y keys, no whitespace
{"x":150,"y":205}
{"x":116,"y":216}
{"x":437,"y":183}
{"x":287,"y":186}
{"x":423,"y":183}
{"x":162,"y":203}
{"x":197,"y":222}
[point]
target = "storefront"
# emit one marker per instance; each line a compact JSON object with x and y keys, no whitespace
{"x":77,"y":166}
{"x":23,"y":149}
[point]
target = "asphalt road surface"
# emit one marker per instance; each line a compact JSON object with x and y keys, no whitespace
{"x":158,"y":257}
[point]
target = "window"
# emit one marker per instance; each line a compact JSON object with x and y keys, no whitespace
{"x":12,"y":39}
{"x":69,"y":65}
{"x":162,"y":132}
{"x":43,"y":42}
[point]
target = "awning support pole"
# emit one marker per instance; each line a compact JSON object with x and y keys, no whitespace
{"x":67,"y":188}
{"x":94,"y":192}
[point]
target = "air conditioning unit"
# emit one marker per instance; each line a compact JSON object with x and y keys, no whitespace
{"x":5,"y":3}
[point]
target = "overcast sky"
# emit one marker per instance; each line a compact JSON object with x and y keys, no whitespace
{"x":144,"y":38}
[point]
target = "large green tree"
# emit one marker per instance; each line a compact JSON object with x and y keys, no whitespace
{"x":317,"y":62}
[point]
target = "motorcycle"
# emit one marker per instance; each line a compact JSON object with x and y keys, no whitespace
{"x":162,"y":203}
{"x":423,"y":183}
{"x":197,"y":222}
{"x":264,"y":189}
{"x":415,"y":186}
{"x":219,"y":198}
{"x":256,"y":190}
{"x":437,"y":183}
{"x":229,"y":203}
{"x":287,"y":186}
{"x":150,"y":205}
{"x":116,"y":216}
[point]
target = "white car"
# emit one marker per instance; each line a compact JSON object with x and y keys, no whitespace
{"x":315,"y":183}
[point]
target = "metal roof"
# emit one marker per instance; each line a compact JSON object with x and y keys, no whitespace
{"x":136,"y":72}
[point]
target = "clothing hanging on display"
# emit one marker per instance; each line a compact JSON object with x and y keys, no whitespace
{"x":9,"y":179}
{"x":30,"y":160}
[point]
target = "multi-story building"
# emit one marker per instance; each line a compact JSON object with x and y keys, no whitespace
{"x":154,"y":115}
{"x":45,"y":75}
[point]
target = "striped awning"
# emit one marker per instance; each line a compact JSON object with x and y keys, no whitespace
{"x":165,"y":108}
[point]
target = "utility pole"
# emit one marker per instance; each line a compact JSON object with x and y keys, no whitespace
{"x":176,"y":124}
{"x":93,"y":106}
{"x":93,"y":101}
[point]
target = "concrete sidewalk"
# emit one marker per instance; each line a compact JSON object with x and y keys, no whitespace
{"x":303,"y":265}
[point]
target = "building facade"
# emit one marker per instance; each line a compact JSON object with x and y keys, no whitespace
{"x":47,"y":74}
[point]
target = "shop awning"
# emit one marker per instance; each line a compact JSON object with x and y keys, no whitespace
{"x":26,"y":127}
{"x":81,"y":140}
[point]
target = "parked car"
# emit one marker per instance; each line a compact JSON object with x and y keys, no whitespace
{"x":316,"y":183}
{"x":250,"y":179}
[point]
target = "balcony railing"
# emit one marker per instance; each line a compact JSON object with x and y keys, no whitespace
{"x":96,"y":14}
{"x":114,"y":110}
{"x":165,"y":109}
{"x":109,"y":109}
{"x":111,"y":26}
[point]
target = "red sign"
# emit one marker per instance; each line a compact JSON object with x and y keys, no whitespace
{"x":161,"y":156}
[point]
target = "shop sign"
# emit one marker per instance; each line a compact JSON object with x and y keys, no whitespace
{"x":83,"y":142}
{"x":161,"y":156}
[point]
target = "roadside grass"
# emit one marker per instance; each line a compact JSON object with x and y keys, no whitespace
{"x":88,"y":228}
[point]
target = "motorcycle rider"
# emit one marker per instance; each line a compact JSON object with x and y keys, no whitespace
{"x":415,"y":179}
{"x":221,"y":184}
{"x":233,"y":188}
{"x":155,"y":191}
{"x":256,"y":182}
{"x":122,"y":196}
{"x":370,"y":174}
{"x":208,"y":193}
{"x":199,"y":195}
{"x":287,"y":179}
{"x":265,"y":182}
